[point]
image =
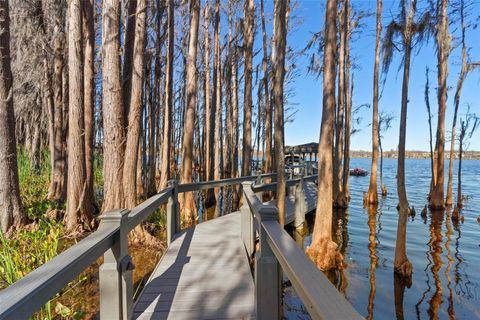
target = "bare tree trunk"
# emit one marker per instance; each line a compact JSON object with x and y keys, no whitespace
{"x":57,"y":189}
{"x":427,"y":103}
{"x":437,"y":200}
{"x":186,"y":199}
{"x":89,"y":92}
{"x":167,"y":119}
{"x":348,"y":113}
{"x":458,"y":91}
{"x":280,"y":35}
{"x":373,"y":187}
{"x":459,"y":175}
{"x":323,"y":251}
{"x":134,"y":116}
{"x":235,"y":134}
{"x":401,"y":264}
{"x":79,"y":203}
{"x":249,"y":12}
{"x":268,"y":106}
{"x":128,"y":56}
{"x":217,"y":89}
{"x":340,"y":110}
{"x":11,"y":212}
{"x":113,"y":110}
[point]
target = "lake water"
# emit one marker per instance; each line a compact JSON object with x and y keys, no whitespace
{"x":445,"y":255}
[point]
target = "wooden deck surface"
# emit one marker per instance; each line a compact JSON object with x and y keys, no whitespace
{"x":204,"y":274}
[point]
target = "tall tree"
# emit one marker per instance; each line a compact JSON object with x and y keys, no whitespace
{"x":79,"y":203}
{"x":135,"y":110}
{"x":280,"y":35}
{"x":112,"y":107}
{"x":373,"y":187}
{"x":437,"y":199}
{"x":248,"y":30}
{"x":217,"y":104}
{"x":189,"y":210}
{"x":323,"y":250}
{"x":128,"y":56}
{"x":340,"y":111}
{"x":458,"y":92}
{"x":168,"y":110}
{"x":268,"y":105}
{"x":57,"y":188}
{"x":11,"y":212}
{"x":89,"y":91}
{"x":407,"y":28}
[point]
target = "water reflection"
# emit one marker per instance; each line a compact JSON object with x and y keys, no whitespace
{"x":372,"y":248}
{"x":444,"y":252}
{"x":448,"y":234}
{"x":435,"y":244}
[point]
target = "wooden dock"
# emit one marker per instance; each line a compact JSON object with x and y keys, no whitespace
{"x":205,"y":274}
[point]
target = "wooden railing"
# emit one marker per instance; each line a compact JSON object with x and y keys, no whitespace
{"x":279,"y":252}
{"x":277,"y":248}
{"x":23,"y":298}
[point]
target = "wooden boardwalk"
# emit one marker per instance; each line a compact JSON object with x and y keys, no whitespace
{"x":204,"y":274}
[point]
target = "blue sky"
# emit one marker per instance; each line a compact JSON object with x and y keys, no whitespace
{"x":308,"y":90}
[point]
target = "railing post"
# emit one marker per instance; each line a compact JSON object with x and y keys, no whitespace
{"x":116,"y":288}
{"x":300,"y":210}
{"x":268,"y":288}
{"x":175,"y":209}
{"x":247,"y":224}
{"x":258,"y":182}
{"x":172,"y":212}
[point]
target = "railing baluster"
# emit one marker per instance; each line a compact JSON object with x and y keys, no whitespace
{"x":267,"y":272}
{"x":116,"y":288}
{"x":172,"y":212}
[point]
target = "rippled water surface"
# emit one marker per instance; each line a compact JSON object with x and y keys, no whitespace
{"x":445,"y":255}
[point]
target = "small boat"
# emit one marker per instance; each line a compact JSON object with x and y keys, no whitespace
{"x":358,"y":172}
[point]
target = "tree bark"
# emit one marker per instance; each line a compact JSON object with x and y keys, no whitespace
{"x":323,"y":251}
{"x":458,"y":91}
{"x":134,"y":116}
{"x":248,"y":29}
{"x":345,"y":199}
{"x":79,"y":205}
{"x":340,"y":110}
{"x":186,"y":199}
{"x":217,"y":102}
{"x":372,"y":197}
{"x":401,"y":264}
{"x":128,"y":56}
{"x":167,"y":118}
{"x":437,"y":199}
{"x":268,"y":105}
{"x":89,"y":93}
{"x":11,"y":212}
{"x":57,"y":189}
{"x":113,"y":110}
{"x":280,"y":35}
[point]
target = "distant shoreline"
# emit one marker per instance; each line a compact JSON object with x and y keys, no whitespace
{"x":467,"y":155}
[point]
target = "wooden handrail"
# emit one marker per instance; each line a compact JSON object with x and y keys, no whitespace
{"x":273,"y":185}
{"x":194,"y":186}
{"x":29,"y":294}
{"x":320,"y":297}
{"x":23,"y":298}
